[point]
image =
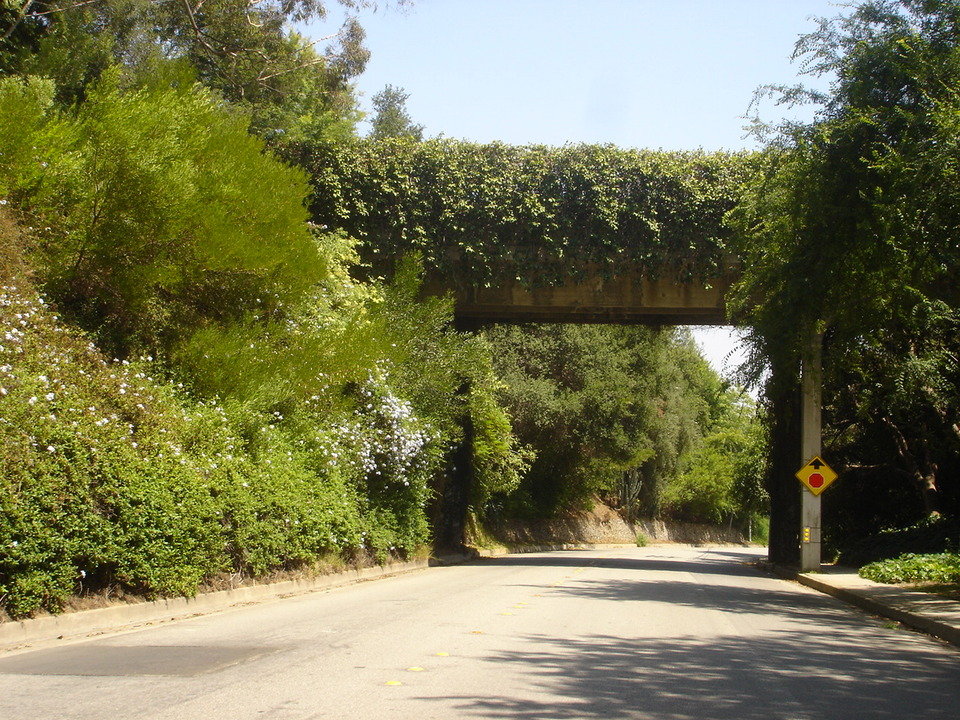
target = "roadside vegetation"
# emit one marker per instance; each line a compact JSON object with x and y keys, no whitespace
{"x":216,"y":356}
{"x":849,"y":228}
{"x":942,"y":568}
{"x":199,"y":379}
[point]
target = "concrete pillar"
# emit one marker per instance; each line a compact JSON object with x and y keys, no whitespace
{"x":811,"y":385}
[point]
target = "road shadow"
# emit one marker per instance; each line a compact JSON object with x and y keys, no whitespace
{"x":717,"y":563}
{"x":763,"y":599}
{"x":780,"y":675}
{"x":823,"y":661}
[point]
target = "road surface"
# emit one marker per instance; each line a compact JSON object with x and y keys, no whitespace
{"x":668,"y":632}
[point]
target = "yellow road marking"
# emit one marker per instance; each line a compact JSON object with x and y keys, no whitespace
{"x":415,"y":669}
{"x":394,"y":682}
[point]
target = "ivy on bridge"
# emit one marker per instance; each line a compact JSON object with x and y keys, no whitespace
{"x":482,"y":215}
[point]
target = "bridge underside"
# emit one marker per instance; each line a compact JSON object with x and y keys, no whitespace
{"x":625,"y":300}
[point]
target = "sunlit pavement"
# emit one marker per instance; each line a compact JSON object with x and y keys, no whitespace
{"x":658,"y":632}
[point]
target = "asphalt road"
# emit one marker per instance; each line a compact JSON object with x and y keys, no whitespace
{"x":662,"y":632}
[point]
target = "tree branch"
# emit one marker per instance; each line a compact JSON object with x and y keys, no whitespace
{"x":263,"y":78}
{"x":196,"y":28}
{"x":64,"y":9}
{"x":16,"y":23}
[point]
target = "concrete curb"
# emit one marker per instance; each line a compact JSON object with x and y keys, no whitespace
{"x":17,"y":633}
{"x":918,"y":610}
{"x":893,"y":604}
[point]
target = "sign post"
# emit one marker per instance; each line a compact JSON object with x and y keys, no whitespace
{"x":811,"y":379}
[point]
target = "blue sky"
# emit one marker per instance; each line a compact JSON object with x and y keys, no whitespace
{"x":671,"y":74}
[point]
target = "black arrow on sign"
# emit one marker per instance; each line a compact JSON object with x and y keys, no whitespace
{"x":816,"y":463}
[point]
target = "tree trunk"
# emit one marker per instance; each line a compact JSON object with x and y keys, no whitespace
{"x":923,"y":471}
{"x":783,"y":391}
{"x":453,"y":500}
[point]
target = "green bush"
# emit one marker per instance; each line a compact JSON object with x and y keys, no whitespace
{"x":911,"y":568}
{"x":287,"y":411}
{"x":97,"y":487}
{"x":499,"y":462}
{"x":150,"y":211}
{"x":722,"y":479}
{"x":929,"y":536}
{"x":112,"y":477}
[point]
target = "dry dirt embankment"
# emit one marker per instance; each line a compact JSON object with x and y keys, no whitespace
{"x":604,"y":525}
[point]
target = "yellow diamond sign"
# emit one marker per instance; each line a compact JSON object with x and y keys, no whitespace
{"x":816,"y":475}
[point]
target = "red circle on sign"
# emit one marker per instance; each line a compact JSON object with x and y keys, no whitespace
{"x":815,"y":480}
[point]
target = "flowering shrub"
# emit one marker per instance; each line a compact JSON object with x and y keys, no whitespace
{"x":315,"y":412}
{"x":96,"y":484}
{"x":392,"y":455}
{"x":112,"y":477}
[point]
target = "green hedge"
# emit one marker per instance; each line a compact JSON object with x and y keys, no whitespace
{"x":910,"y":568}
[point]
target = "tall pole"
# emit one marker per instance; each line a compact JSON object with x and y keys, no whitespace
{"x":811,"y":381}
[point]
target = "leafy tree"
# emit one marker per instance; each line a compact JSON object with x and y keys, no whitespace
{"x":608,"y":410}
{"x":850,"y":227}
{"x":722,"y":476}
{"x":392,"y":119}
{"x":150,"y":212}
{"x":245,"y":51}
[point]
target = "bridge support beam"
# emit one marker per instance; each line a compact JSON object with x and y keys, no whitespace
{"x":811,"y":394}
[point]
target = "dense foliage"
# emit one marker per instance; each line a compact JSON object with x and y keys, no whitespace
{"x":148,"y":210}
{"x":293,"y":412}
{"x":630,"y":414}
{"x":196,"y":379}
{"x":246,"y":52}
{"x":910,"y":568}
{"x":486,"y":213}
{"x":930,"y":535}
{"x":722,"y":478}
{"x":850,"y":228}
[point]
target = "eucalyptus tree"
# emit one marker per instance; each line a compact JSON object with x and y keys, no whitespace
{"x":392,"y":120}
{"x":247,"y":51}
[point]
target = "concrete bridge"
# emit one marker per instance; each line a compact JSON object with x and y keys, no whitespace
{"x":628,"y":297}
